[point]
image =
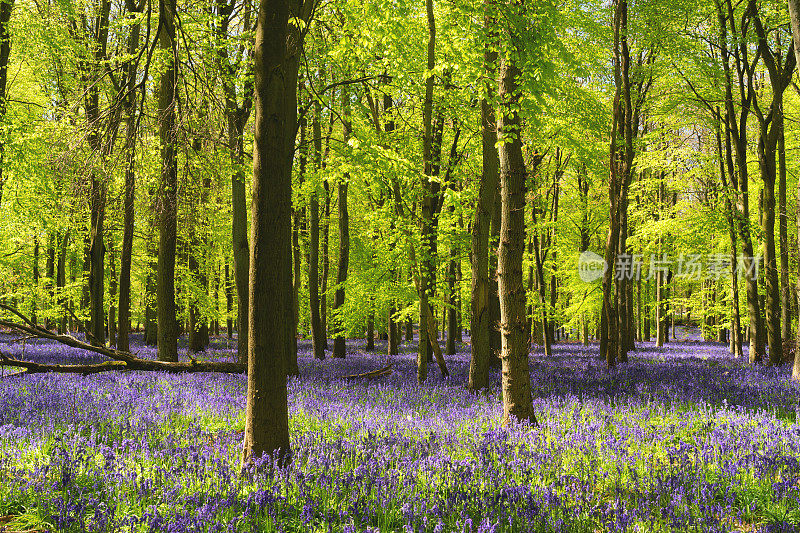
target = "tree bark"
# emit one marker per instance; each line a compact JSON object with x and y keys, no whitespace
{"x":317,"y":333}
{"x":344,"y":244}
{"x":129,"y":195}
{"x":197,"y":250}
{"x":794,"y":16}
{"x":6,"y":7}
{"x":738,"y":131}
{"x":393,"y":333}
{"x":771,"y":127}
{"x":726,"y":171}
{"x":298,"y":221}
{"x":370,"y":334}
{"x":112,"y":293}
{"x":516,"y":381}
{"x":61,"y":281}
{"x":228,"y":301}
{"x":168,"y":215}
{"x":50,"y":268}
{"x":481,"y":321}
{"x":427,"y":232}
{"x":323,"y":297}
{"x":35,"y":276}
{"x":481,"y":324}
{"x":151,"y":292}
{"x":266,"y":429}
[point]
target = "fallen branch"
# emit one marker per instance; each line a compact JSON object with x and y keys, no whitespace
{"x":37,"y":368}
{"x":373,"y":374}
{"x":121,"y":360}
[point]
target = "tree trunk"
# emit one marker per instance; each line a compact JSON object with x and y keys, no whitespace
{"x":61,"y":281}
{"x":237,"y":113}
{"x":197,"y":250}
{"x":151,"y":293}
{"x":228,"y":301}
{"x":393,"y":333}
{"x":344,"y":244}
{"x":783,"y":235}
{"x":5,"y":52}
{"x":35,"y":296}
{"x":427,"y":231}
{"x":98,"y":191}
{"x":241,"y":247}
{"x":323,"y":298}
{"x":50,"y":267}
{"x":794,"y":16}
{"x":370,"y":334}
{"x":297,"y":222}
{"x":770,"y":129}
{"x":112,"y":293}
{"x":123,"y":341}
{"x":453,"y":301}
{"x":266,"y":429}
{"x":97,"y":264}
{"x":481,"y":324}
{"x":541,"y":285}
{"x":516,"y":382}
{"x":737,"y":129}
{"x":495,"y":340}
{"x":317,"y":333}
{"x":168,"y":216}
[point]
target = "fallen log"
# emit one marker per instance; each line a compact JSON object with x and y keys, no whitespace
{"x":373,"y":374}
{"x":120,"y":360}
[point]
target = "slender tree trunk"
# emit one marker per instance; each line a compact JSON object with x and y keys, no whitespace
{"x":241,"y":247}
{"x":129,"y":195}
{"x":646,"y":317}
{"x":317,"y":332}
{"x":297,"y":222}
{"x":494,"y":295}
{"x":481,"y":324}
{"x":97,"y":264}
{"x":370,"y":335}
{"x":452,"y":311}
{"x":794,"y":16}
{"x":197,"y":248}
{"x":98,"y":191}
{"x":783,"y":235}
{"x":323,"y":298}
{"x":228,"y":301}
{"x":61,"y":281}
{"x":35,"y":298}
{"x":726,"y":162}
{"x":215,"y":322}
{"x":547,"y":332}
{"x":6,"y":6}
{"x":150,"y":296}
{"x":427,"y":235}
{"x":112,"y":293}
{"x":344,"y":245}
{"x":770,"y":130}
{"x":167,"y":109}
{"x":516,"y":382}
{"x":737,"y":129}
{"x":266,"y":428}
{"x":50,"y":267}
{"x":237,"y":112}
{"x":393,"y":333}
{"x":639,"y":308}
{"x":772,"y":308}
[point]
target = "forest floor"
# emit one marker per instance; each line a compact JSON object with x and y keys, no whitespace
{"x":682,"y":438}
